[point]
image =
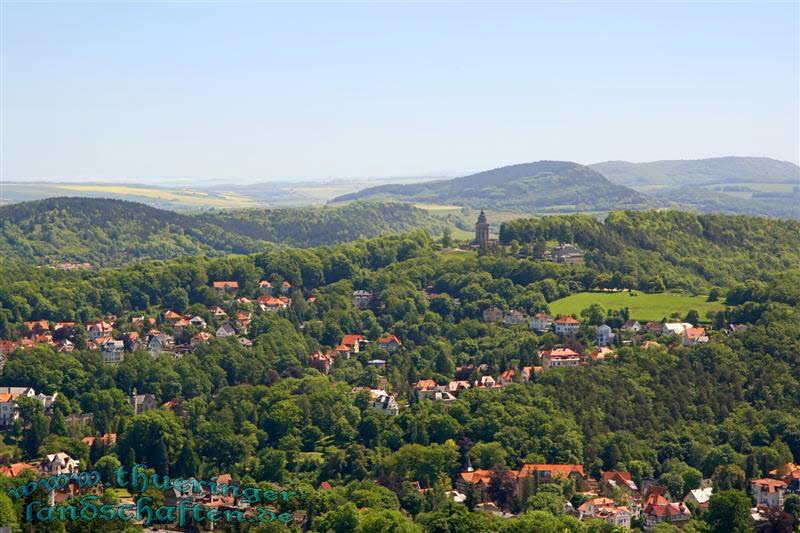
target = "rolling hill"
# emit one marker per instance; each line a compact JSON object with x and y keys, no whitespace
{"x":544,"y":186}
{"x":116,"y":232}
{"x":718,"y":170}
{"x":741,"y":185}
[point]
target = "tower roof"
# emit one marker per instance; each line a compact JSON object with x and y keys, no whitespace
{"x":482,"y":218}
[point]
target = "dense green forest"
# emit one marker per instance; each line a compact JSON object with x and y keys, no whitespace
{"x":673,"y":249}
{"x":116,"y":232}
{"x":533,"y":187}
{"x":725,"y":410}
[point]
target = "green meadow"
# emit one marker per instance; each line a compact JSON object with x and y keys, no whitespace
{"x":642,"y":306}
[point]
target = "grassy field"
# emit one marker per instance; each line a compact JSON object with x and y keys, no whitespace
{"x":642,"y":306}
{"x":182,"y":196}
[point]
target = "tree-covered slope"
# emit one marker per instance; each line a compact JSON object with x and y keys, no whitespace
{"x":316,"y":226}
{"x":672,"y":248}
{"x":700,"y":171}
{"x":541,"y":186}
{"x":114,"y":232}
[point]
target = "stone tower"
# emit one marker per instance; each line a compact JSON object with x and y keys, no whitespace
{"x":482,"y":230}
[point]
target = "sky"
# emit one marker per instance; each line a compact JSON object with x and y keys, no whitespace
{"x":152,"y":91}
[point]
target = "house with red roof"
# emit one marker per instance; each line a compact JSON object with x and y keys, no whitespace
{"x":566,"y":325}
{"x":478,"y":481}
{"x":692,"y":336}
{"x":226,"y":286}
{"x":389,"y":342}
{"x":768,"y":491}
{"x":559,"y":357}
{"x":658,"y":509}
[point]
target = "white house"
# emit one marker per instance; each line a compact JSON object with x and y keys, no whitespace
{"x":56,"y":464}
{"x":675,"y":328}
{"x":604,"y":336}
{"x":113,"y":351}
{"x":8,"y":402}
{"x":541,"y":322}
{"x":566,"y":325}
{"x":384,"y":402}
{"x":225,"y":330}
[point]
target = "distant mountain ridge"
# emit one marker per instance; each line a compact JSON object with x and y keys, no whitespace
{"x":726,"y":170}
{"x":540,"y":186}
{"x":115,"y":232}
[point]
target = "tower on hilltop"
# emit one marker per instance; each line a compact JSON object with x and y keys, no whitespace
{"x":482,"y":230}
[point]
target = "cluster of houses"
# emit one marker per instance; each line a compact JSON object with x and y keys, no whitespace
{"x":616,"y":498}
{"x":352,"y":344}
{"x":9,"y":397}
{"x":143,"y":334}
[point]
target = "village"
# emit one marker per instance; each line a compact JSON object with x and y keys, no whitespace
{"x":612,"y":496}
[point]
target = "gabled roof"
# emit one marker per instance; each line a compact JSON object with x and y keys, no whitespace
{"x":567,"y":320}
{"x":226,"y":284}
{"x":768,"y":484}
{"x":386,"y":339}
{"x":351,"y":340}
{"x":555,"y":470}
{"x":425,"y":384}
{"x":559,"y":352}
{"x":477,"y":476}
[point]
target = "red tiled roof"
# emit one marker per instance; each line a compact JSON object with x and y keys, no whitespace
{"x":226,"y":284}
{"x":351,"y":340}
{"x":566,"y":320}
{"x":559,"y":352}
{"x":556,"y":470}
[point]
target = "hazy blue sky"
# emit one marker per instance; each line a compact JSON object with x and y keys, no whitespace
{"x":246,"y":90}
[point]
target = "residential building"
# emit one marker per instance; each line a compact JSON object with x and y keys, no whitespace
{"x":384,"y":402}
{"x":507,"y":377}
{"x":160,"y":343}
{"x":198,"y":322}
{"x":541,"y":322}
{"x":201,"y":338}
{"x":769,"y":492}
{"x":601,"y":354}
{"x":559,"y":357}
{"x":513,"y":317}
{"x":226,"y":286}
{"x":55,"y":464}
{"x":699,"y":498}
{"x":362,"y":299}
{"x":217,"y":312}
{"x":113,"y":351}
{"x":96,"y":330}
{"x":478,"y":481}
{"x":389,"y":343}
{"x":566,"y":325}
{"x":604,"y":335}
{"x":565,"y":253}
{"x":631,"y":325}
{"x":692,"y":336}
{"x":492,"y":314}
{"x":225,"y":330}
{"x":142,"y":402}
{"x":658,"y":508}
{"x":675,"y":328}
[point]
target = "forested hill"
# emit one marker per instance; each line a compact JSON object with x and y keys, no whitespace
{"x":115,"y":232}
{"x":653,"y":249}
{"x":319,"y":226}
{"x":694,"y":172}
{"x":541,"y":186}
